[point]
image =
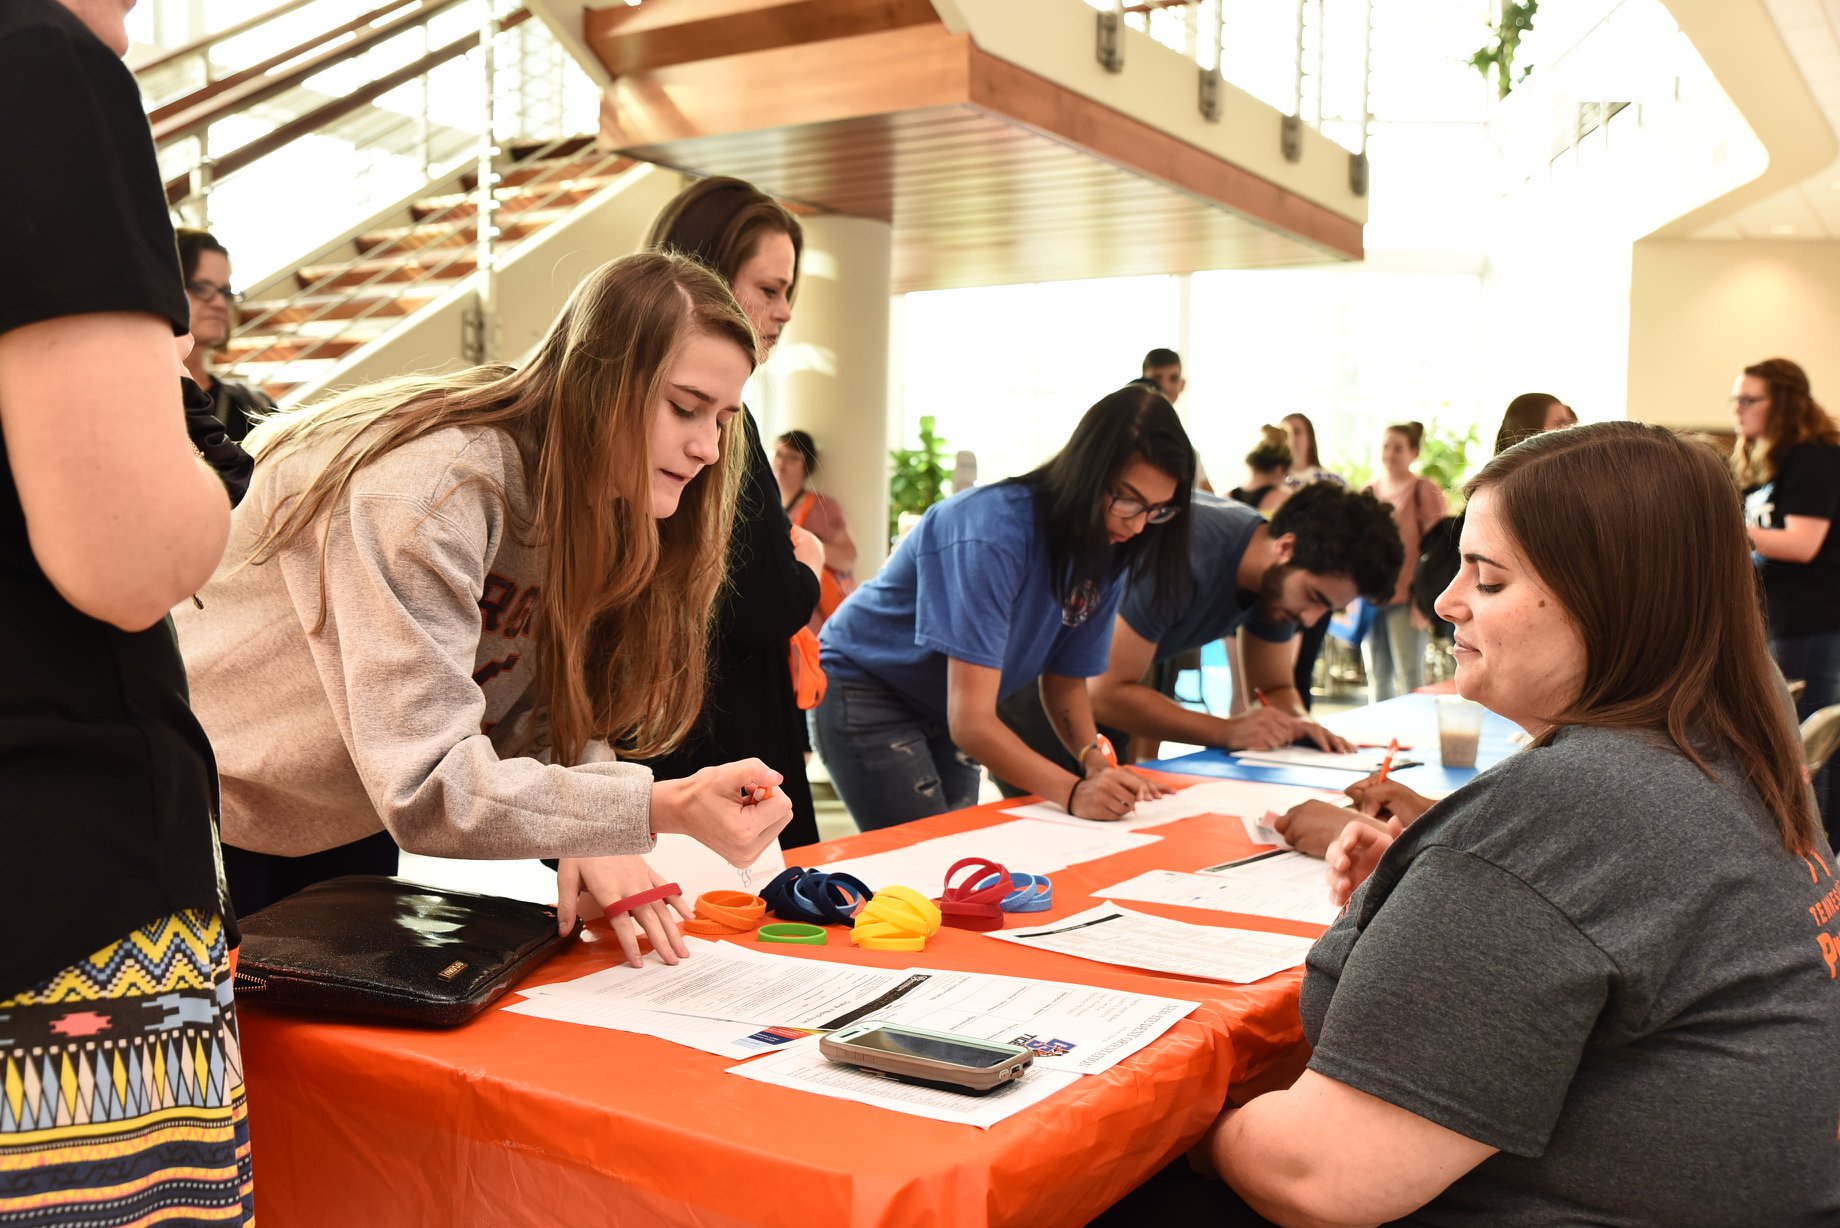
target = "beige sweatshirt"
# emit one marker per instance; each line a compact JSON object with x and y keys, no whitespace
{"x":411,"y":709}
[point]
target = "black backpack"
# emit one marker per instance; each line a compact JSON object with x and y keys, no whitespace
{"x":1439,"y":560}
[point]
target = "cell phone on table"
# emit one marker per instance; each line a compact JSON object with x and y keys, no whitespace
{"x":932,"y":1059}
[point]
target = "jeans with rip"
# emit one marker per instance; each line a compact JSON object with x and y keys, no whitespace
{"x":890,"y":764}
{"x":1815,"y":659}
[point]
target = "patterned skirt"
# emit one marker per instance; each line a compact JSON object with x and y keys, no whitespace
{"x":121,"y":1088}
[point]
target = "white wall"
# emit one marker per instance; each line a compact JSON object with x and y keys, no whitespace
{"x":1700,"y":311}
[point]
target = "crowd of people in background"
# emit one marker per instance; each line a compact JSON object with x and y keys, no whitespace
{"x":558,"y":609}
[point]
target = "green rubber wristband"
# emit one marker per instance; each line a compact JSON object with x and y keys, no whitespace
{"x":796,"y":932}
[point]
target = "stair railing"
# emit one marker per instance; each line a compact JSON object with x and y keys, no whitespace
{"x":527,"y":88}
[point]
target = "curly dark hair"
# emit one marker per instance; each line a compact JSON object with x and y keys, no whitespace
{"x":1343,"y":533}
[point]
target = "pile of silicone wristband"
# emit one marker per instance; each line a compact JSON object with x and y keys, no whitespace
{"x":1029,"y":892}
{"x":896,"y":919}
{"x":976,"y":903}
{"x":815,"y":897}
{"x":726,"y":914}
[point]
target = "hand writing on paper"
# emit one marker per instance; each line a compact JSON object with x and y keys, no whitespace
{"x":1387,"y":798}
{"x":1310,"y":827}
{"x":734,"y":808}
{"x":1265,"y":727}
{"x":585,"y":885}
{"x":1111,"y":794}
{"x":1352,"y":856}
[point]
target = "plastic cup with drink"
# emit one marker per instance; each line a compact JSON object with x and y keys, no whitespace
{"x":1459,"y":729}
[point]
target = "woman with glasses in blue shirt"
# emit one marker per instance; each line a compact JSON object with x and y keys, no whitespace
{"x":998,"y":586}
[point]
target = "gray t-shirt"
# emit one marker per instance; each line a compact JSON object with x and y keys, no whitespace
{"x":1218,"y":534}
{"x":1602,"y":962}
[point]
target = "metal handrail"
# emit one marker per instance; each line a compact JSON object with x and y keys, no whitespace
{"x":178,"y":188}
{"x":209,"y":41}
{"x":432,"y":237}
{"x":196,"y":112}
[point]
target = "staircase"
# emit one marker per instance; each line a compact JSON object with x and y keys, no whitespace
{"x":403,"y":104}
{"x":354,"y":295}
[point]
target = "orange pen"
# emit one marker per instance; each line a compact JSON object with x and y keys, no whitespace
{"x":1105,"y":748}
{"x":1260,"y":696}
{"x":1386,"y":764}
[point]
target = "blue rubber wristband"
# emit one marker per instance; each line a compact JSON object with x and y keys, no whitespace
{"x":1033,"y":892}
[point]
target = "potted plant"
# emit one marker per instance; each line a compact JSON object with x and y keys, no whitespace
{"x":919,"y":478}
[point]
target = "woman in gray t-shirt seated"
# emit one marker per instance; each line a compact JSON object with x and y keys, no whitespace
{"x":1598,"y":984}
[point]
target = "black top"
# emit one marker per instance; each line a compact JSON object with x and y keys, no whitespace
{"x":107,"y":786}
{"x":750,"y":710}
{"x":1801,"y":598}
{"x":238,"y":406}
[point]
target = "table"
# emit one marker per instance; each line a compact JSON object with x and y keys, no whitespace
{"x":512,"y":1120}
{"x":1410,"y":718}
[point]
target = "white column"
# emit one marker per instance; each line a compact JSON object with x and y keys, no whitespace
{"x":831,"y":372}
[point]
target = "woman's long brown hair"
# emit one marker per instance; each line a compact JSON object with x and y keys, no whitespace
{"x":1640,"y":536}
{"x":621,"y":644}
{"x":1795,"y":418}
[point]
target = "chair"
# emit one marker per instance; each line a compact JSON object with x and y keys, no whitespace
{"x":1821,"y":737}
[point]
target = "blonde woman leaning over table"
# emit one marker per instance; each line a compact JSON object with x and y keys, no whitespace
{"x":1597,"y":984}
{"x":445,"y":598}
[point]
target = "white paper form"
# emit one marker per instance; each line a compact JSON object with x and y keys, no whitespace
{"x":799,"y":993}
{"x":802,"y":1068}
{"x":1152,"y":813}
{"x":1257,"y":798}
{"x":739,"y":1005}
{"x":722,"y":1037}
{"x":1363,"y":762}
{"x":1028,"y":845}
{"x":1080,"y":1028}
{"x":1112,"y":934}
{"x":575,"y":1002}
{"x":1276,"y":884}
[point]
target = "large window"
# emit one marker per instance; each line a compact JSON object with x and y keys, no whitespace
{"x":1007,"y":371}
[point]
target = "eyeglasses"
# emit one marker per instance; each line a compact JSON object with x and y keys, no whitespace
{"x":1747,"y":402}
{"x":198,"y":288}
{"x":1126,"y":508}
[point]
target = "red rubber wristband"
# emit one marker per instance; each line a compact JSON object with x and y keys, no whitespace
{"x":981,"y":868}
{"x":644,"y":897}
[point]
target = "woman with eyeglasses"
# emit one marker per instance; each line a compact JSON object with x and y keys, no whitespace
{"x":1787,"y":461}
{"x":998,"y":586}
{"x":206,"y":265}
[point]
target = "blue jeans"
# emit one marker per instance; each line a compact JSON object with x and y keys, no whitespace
{"x":1815,"y":659}
{"x":1397,"y":651}
{"x":889,"y":763}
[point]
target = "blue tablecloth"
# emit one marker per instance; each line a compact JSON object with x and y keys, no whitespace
{"x":1410,"y":718}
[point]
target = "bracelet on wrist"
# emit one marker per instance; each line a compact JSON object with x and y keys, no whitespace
{"x":1078,"y":781}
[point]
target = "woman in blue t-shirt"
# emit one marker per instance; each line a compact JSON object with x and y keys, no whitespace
{"x":995,"y":587}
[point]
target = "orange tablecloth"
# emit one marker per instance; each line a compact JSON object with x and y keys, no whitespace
{"x":512,"y":1120}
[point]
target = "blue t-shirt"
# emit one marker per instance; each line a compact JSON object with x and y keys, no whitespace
{"x":1218,"y":536}
{"x":971,"y":582}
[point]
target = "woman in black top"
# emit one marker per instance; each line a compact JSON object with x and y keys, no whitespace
{"x":1787,"y":460}
{"x":111,"y":904}
{"x":750,"y":711}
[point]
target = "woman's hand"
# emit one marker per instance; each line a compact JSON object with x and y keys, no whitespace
{"x":1383,"y":799}
{"x":587,"y":885}
{"x":734,"y":808}
{"x":1111,"y":794}
{"x":1352,"y":856}
{"x":1309,"y":827}
{"x":807,"y":549}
